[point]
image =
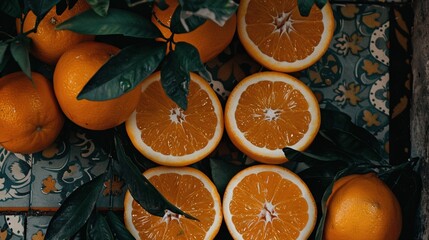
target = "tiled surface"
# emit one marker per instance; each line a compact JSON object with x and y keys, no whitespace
{"x":12,"y":227}
{"x":15,"y":179}
{"x":357,"y":75}
{"x":66,"y":166}
{"x":354,"y":74}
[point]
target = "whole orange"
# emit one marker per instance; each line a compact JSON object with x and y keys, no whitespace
{"x":30,"y":118}
{"x":362,"y":206}
{"x":73,"y":71}
{"x":210,"y":39}
{"x":48,"y":43}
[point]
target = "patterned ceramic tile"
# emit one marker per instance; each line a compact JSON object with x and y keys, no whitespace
{"x":65,"y":166}
{"x":15,"y":180}
{"x":37,"y":226}
{"x":12,"y":227}
{"x":354,"y":74}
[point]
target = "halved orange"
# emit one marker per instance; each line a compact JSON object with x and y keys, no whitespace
{"x":268,"y":202}
{"x":268,"y":111}
{"x":276,"y":35}
{"x":187,"y":188}
{"x":169,"y":135}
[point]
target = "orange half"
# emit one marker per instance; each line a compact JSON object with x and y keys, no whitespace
{"x":169,"y":135}
{"x":268,"y":202}
{"x":190,"y":190}
{"x":276,"y":35}
{"x":269,"y":111}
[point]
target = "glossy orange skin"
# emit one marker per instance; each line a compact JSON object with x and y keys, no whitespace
{"x":362,"y":207}
{"x":48,"y":44}
{"x":30,"y":118}
{"x":73,"y":71}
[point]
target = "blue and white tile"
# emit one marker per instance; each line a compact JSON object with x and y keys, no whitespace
{"x":15,"y":181}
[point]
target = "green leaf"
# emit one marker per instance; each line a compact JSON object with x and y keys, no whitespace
{"x":118,"y":229}
{"x":3,"y":48}
{"x":141,"y":189}
{"x":334,"y":119}
{"x":117,"y":21}
{"x":175,"y":72}
{"x":11,"y":8}
{"x":305,"y":6}
{"x":180,"y":25}
{"x":321,"y":3}
{"x":133,"y":3}
{"x":124,"y":71}
{"x":99,"y":6}
{"x":222,"y":171}
{"x":217,"y":11}
{"x":331,"y":155}
{"x":41,"y":7}
{"x":64,"y":5}
{"x":19,"y":50}
{"x":353,"y":145}
{"x":161,"y":4}
{"x":75,"y":210}
{"x":98,"y":228}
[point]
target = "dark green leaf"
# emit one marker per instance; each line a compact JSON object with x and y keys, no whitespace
{"x":326,"y":156}
{"x":217,"y":11}
{"x":118,"y":229}
{"x":179,"y":25}
{"x":11,"y":8}
{"x":98,"y":228}
{"x":222,"y":171}
{"x":353,"y":145}
{"x":334,"y":119}
{"x":321,"y":3}
{"x":321,"y":150}
{"x":99,"y":6}
{"x":75,"y":210}
{"x":305,"y":6}
{"x":19,"y":50}
{"x":175,"y":72}
{"x":3,"y":49}
{"x":4,"y":62}
{"x":141,"y":189}
{"x":61,"y":7}
{"x":161,"y":4}
{"x":133,"y":3}
{"x":41,"y":7}
{"x":124,"y":71}
{"x":117,"y":21}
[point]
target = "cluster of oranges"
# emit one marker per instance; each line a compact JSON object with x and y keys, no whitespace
{"x":264,"y":113}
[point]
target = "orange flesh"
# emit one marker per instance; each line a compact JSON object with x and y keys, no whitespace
{"x":270,"y":23}
{"x":189,"y":131}
{"x":266,"y":206}
{"x":283,"y":115}
{"x":185,"y":192}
